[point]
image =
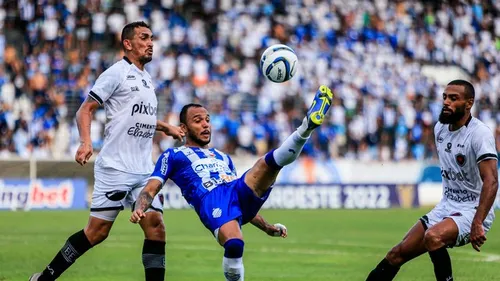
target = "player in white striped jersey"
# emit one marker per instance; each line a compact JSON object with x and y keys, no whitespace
{"x":468,"y":158}
{"x":125,"y":160}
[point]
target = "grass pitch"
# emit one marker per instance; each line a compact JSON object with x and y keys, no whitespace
{"x":322,"y":245}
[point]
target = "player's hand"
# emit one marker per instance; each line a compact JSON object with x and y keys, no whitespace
{"x":175,"y":132}
{"x":83,"y":153}
{"x":477,"y":236}
{"x":277,"y":230}
{"x":137,"y":215}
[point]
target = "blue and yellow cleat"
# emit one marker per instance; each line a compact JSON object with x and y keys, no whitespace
{"x":320,"y":106}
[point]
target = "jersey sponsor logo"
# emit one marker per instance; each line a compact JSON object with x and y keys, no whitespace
{"x":448,"y":147}
{"x":440,"y":138}
{"x":461,"y":160}
{"x":130,"y":77}
{"x":459,"y":195}
{"x":141,"y":130}
{"x":144,"y":109}
{"x":134,"y":89}
{"x":211,"y":165}
{"x":454,"y":176}
{"x":145,"y":84}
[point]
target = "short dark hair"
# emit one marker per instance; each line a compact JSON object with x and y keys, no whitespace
{"x":469,"y":89}
{"x":184,"y":110}
{"x":128,"y":30}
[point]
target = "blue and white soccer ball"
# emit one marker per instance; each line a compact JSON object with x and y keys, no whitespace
{"x":278,"y":63}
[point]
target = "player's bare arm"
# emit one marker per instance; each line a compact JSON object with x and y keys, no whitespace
{"x":145,"y":199}
{"x":272,"y":230}
{"x":170,"y":130}
{"x":83,"y":121}
{"x":489,"y":175}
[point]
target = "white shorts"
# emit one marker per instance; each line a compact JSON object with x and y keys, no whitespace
{"x":462,"y":217}
{"x":115,"y":190}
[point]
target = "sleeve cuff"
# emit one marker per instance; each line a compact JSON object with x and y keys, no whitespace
{"x":157,"y":178}
{"x":96,"y":97}
{"x":486,"y":156}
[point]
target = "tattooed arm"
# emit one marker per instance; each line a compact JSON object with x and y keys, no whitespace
{"x":145,"y":199}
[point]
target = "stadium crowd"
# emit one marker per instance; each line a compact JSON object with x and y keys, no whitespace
{"x":370,"y":52}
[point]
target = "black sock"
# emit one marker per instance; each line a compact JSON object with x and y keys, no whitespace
{"x":76,"y":245}
{"x":383,"y":272}
{"x":442,"y":264}
{"x":153,"y":259}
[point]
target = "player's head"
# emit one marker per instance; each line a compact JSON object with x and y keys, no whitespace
{"x":458,"y":98}
{"x":195,"y":122}
{"x":137,"y":41}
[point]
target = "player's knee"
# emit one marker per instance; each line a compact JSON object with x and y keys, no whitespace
{"x":395,"y":256}
{"x":432,"y":240}
{"x":96,"y":235}
{"x":154,"y":228}
{"x":233,"y":248}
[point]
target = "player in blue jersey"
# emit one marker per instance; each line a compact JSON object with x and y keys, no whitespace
{"x":208,"y":180}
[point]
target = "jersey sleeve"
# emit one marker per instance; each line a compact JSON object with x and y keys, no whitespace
{"x":105,"y":85}
{"x":163,"y":167}
{"x":483,"y":144}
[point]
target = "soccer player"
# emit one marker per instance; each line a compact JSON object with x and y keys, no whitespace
{"x":124,"y":164}
{"x":207,"y":178}
{"x":468,"y":158}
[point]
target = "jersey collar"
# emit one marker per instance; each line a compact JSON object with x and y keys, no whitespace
{"x":468,"y":120}
{"x":127,"y":60}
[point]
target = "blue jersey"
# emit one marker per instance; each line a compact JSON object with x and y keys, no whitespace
{"x":195,"y":170}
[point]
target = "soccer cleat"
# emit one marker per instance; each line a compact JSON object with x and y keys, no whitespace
{"x":35,"y":277}
{"x":321,"y":103}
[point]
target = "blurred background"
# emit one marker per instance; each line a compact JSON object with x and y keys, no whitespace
{"x":387,"y":62}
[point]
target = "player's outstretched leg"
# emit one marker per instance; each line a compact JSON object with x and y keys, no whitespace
{"x":263,"y":174}
{"x":77,"y":244}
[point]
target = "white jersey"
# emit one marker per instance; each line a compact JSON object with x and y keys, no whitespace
{"x":459,"y":153}
{"x":129,"y":100}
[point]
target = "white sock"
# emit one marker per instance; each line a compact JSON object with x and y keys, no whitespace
{"x":303,"y":130}
{"x":233,"y":269}
{"x":290,"y":149}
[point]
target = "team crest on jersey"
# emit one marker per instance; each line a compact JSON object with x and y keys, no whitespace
{"x":461,"y":160}
{"x":211,"y":153}
{"x":145,"y":84}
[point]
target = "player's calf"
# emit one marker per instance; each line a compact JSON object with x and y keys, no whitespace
{"x":153,"y":250}
{"x":76,"y":245}
{"x":232,"y":262}
{"x":436,"y":240}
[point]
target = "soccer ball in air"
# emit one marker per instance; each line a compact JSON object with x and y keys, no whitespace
{"x":278,"y":63}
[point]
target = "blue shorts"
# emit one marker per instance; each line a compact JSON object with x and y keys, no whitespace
{"x":227,"y":202}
